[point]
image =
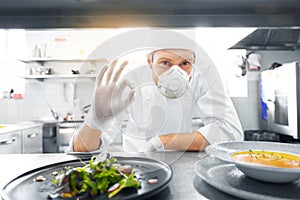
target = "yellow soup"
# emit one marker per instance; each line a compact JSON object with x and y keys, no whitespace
{"x":270,"y":158}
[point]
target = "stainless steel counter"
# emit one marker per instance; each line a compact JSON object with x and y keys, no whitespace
{"x":7,"y":128}
{"x":184,"y":184}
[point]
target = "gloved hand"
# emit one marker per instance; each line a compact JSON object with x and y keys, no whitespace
{"x":107,"y":101}
{"x":154,"y":144}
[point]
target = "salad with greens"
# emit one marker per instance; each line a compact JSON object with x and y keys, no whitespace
{"x":98,"y":177}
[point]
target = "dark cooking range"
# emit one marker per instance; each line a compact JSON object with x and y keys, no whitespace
{"x":264,"y":135}
{"x":50,"y":137}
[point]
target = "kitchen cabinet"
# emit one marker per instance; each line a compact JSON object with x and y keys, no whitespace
{"x":21,"y":138}
{"x":11,"y":142}
{"x":32,"y":140}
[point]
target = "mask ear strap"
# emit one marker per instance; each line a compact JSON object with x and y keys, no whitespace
{"x":194,"y":57}
{"x":154,"y":70}
{"x":152,"y":56}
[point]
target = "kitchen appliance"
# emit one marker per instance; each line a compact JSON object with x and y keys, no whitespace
{"x":50,"y":137}
{"x":283,"y":38}
{"x":50,"y":129}
{"x":280,"y":100}
{"x":65,"y":131}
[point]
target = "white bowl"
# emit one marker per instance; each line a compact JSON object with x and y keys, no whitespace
{"x":224,"y":151}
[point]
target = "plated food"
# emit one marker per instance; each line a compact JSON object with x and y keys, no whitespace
{"x":227,"y":178}
{"x":98,"y":177}
{"x":268,"y":158}
{"x":264,"y":161}
{"x":126,"y":178}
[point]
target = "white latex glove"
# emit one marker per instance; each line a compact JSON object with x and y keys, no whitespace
{"x":107,"y":101}
{"x":154,"y":144}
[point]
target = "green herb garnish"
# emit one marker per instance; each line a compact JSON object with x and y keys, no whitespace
{"x":95,"y":178}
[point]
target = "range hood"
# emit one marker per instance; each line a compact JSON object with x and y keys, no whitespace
{"x":148,"y":13}
{"x":271,"y":39}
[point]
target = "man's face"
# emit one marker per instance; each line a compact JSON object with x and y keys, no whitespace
{"x":162,"y":60}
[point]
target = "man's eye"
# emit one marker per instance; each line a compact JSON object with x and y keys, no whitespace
{"x":165,"y":63}
{"x":185,"y":63}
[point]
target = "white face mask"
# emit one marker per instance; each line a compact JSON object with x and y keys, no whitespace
{"x":173,"y":83}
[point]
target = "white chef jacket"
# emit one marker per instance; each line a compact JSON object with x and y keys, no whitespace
{"x":153,"y":114}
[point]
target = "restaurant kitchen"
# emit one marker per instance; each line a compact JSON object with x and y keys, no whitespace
{"x":60,"y":99}
{"x":49,"y":67}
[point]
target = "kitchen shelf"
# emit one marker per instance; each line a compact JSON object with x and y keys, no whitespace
{"x":67,"y":77}
{"x":61,"y":76}
{"x":38,"y":59}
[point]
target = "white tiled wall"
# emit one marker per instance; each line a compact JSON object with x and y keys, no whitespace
{"x":34,"y":103}
{"x":248,"y":108}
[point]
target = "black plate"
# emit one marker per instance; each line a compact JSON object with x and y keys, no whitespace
{"x":24,"y":186}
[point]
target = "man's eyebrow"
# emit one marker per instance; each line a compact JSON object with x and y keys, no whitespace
{"x":164,"y":58}
{"x":188,"y":58}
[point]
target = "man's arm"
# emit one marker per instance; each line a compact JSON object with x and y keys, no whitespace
{"x":184,"y":142}
{"x":87,"y":139}
{"x":106,"y":105}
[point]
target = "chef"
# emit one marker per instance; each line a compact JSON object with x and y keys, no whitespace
{"x":161,"y":113}
{"x":162,"y":108}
